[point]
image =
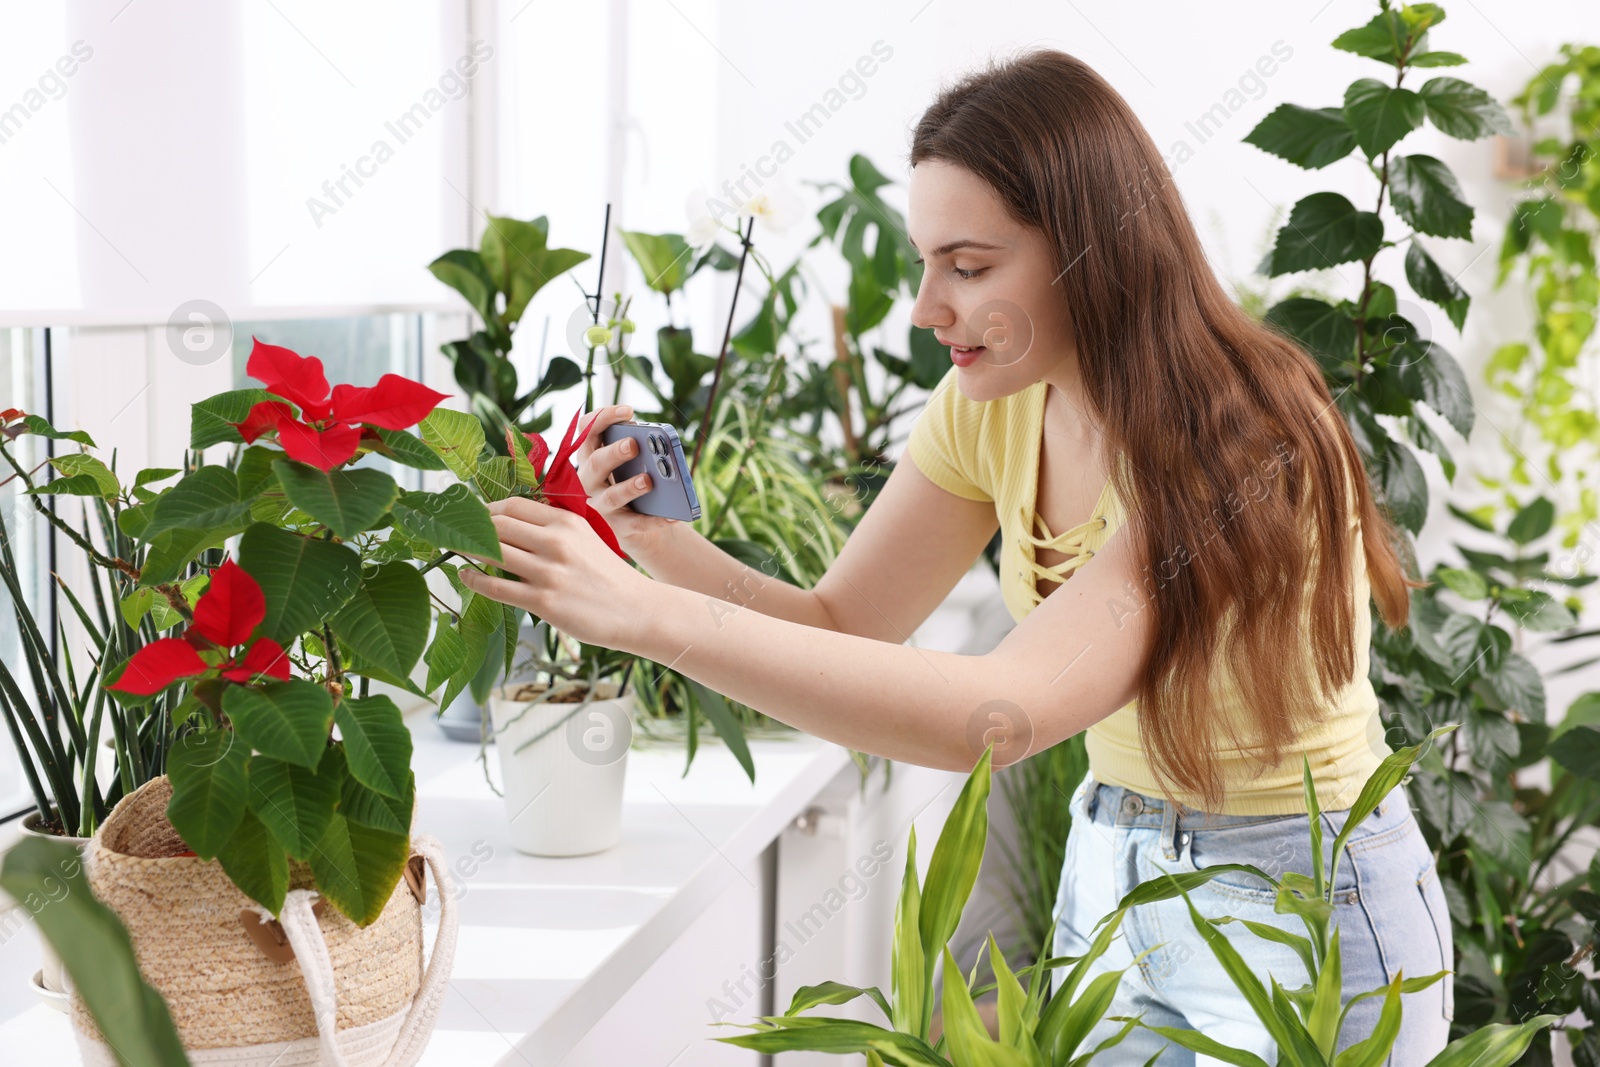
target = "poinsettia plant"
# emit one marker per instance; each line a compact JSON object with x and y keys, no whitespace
{"x":284,"y":767}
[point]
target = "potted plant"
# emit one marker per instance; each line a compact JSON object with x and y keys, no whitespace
{"x":287,"y":781}
{"x":56,"y":714}
{"x":1041,"y":1025}
{"x":563,"y":743}
{"x":498,"y":279}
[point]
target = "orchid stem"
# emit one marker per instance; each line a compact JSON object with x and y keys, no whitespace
{"x":722,"y":356}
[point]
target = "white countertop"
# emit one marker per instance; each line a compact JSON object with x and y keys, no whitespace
{"x":546,"y":945}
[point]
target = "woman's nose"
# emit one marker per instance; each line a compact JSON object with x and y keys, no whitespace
{"x":929,"y":311}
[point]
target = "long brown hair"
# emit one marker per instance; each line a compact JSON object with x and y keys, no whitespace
{"x":1198,"y":396}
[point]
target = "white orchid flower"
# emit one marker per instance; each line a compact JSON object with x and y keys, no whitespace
{"x":703,"y":228}
{"x":776,"y":206}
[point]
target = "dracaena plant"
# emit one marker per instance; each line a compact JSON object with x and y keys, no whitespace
{"x":1307,"y":1021}
{"x":1036,"y":1028}
{"x":283,"y":766}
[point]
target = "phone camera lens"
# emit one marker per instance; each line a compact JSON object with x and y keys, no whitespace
{"x":657,"y":445}
{"x":664,"y":465}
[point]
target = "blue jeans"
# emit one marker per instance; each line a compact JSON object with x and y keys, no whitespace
{"x":1389,"y":908}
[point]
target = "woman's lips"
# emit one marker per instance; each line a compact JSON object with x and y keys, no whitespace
{"x":965,"y":357}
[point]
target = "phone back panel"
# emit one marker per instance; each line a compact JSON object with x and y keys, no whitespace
{"x":660,"y":455}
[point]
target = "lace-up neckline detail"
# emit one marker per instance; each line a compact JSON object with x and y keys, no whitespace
{"x":1071,"y":542}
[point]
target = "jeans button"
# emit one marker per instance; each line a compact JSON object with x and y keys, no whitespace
{"x":1132,"y":804}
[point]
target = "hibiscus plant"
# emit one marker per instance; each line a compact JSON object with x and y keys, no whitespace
{"x":284,"y":766}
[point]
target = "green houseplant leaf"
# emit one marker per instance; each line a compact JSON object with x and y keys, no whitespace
{"x":285,"y":720}
{"x":293,"y":802}
{"x":357,"y":867}
{"x":208,"y":789}
{"x":1428,"y":197}
{"x":1462,"y":110}
{"x":386,"y":620}
{"x":1380,"y":114}
{"x":457,"y":437}
{"x":304,"y":579}
{"x":453,"y":519}
{"x":1307,"y":137}
{"x":256,"y":863}
{"x":345,"y":501}
{"x":1324,"y":230}
{"x":47,"y":878}
{"x":953,"y":868}
{"x":377,"y":744}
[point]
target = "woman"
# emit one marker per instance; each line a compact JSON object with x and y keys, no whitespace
{"x":1213,"y":630}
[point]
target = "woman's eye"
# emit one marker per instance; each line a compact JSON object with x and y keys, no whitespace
{"x":966,"y":275}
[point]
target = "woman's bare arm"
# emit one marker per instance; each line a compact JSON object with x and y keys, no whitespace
{"x":1074,"y":660}
{"x":902,"y":559}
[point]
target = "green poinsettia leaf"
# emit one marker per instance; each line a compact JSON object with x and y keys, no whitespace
{"x":211,"y":420}
{"x":371,"y":808}
{"x":345,"y":501}
{"x":386,"y":620}
{"x":293,"y":802}
{"x":257,"y":863}
{"x":208,"y":774}
{"x":206,"y":499}
{"x":453,"y":519}
{"x":377,"y":744}
{"x":357,"y":867}
{"x":305,"y":580}
{"x":458,"y":439}
{"x":285,"y":720}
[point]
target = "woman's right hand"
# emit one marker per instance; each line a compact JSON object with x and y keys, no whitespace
{"x":638,"y":534}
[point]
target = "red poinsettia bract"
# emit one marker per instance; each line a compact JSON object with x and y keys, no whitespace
{"x":225,"y":616}
{"x":561,"y":487}
{"x":328,"y":429}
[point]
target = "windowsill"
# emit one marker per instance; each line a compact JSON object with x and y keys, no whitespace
{"x":547,"y":945}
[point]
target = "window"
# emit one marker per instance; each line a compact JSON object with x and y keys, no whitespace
{"x":357,"y":349}
{"x":24,"y":378}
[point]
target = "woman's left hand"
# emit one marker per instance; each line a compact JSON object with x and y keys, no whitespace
{"x":570,"y":577}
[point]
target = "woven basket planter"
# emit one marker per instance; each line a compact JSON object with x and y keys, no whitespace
{"x":336,"y":994}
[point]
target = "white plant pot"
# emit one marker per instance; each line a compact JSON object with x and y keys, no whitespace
{"x":563,"y":791}
{"x":51,"y":983}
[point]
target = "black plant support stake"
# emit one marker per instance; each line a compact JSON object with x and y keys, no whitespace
{"x":727,"y":335}
{"x":599,"y":288}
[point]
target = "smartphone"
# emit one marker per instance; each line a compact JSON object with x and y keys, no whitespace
{"x":660,"y":455}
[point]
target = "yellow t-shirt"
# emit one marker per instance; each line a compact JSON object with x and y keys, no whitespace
{"x":989,"y":451}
